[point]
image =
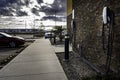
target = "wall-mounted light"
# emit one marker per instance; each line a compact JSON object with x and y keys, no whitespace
{"x":73,"y":14}
{"x":106,"y":15}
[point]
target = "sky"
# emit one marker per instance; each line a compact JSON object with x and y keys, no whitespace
{"x":48,"y":1}
{"x":54,"y":10}
{"x":49,"y":12}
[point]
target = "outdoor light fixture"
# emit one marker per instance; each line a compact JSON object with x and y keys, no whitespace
{"x":73,"y":14}
{"x":105,"y":15}
{"x":108,"y":22}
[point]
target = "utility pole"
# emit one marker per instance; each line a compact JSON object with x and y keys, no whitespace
{"x":34,"y":22}
{"x":55,"y":17}
{"x":25,"y":24}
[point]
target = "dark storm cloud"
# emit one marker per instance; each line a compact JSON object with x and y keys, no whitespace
{"x":54,"y":18}
{"x":7,"y":7}
{"x":58,"y":7}
{"x":35,"y":11}
{"x":40,"y":1}
{"x":5,"y":3}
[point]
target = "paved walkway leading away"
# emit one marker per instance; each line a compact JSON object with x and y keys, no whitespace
{"x":36,"y":62}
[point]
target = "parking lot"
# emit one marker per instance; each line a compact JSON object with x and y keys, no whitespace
{"x":7,"y":53}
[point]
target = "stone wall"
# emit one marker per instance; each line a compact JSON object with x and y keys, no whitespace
{"x":88,"y":42}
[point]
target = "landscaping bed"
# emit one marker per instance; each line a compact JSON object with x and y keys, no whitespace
{"x":76,"y":69}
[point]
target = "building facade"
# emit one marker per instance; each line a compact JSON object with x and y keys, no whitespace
{"x":85,"y":27}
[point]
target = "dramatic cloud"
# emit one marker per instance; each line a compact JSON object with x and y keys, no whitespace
{"x":48,"y":1}
{"x":40,"y":1}
{"x":6,"y":3}
{"x":34,"y":7}
{"x":57,"y":8}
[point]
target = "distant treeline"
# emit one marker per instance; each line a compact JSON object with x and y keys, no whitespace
{"x":20,"y":30}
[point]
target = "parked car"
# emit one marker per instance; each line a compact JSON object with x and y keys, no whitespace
{"x":11,"y":41}
{"x":49,"y":35}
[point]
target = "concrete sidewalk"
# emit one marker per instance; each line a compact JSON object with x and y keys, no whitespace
{"x":36,"y":62}
{"x":61,"y":48}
